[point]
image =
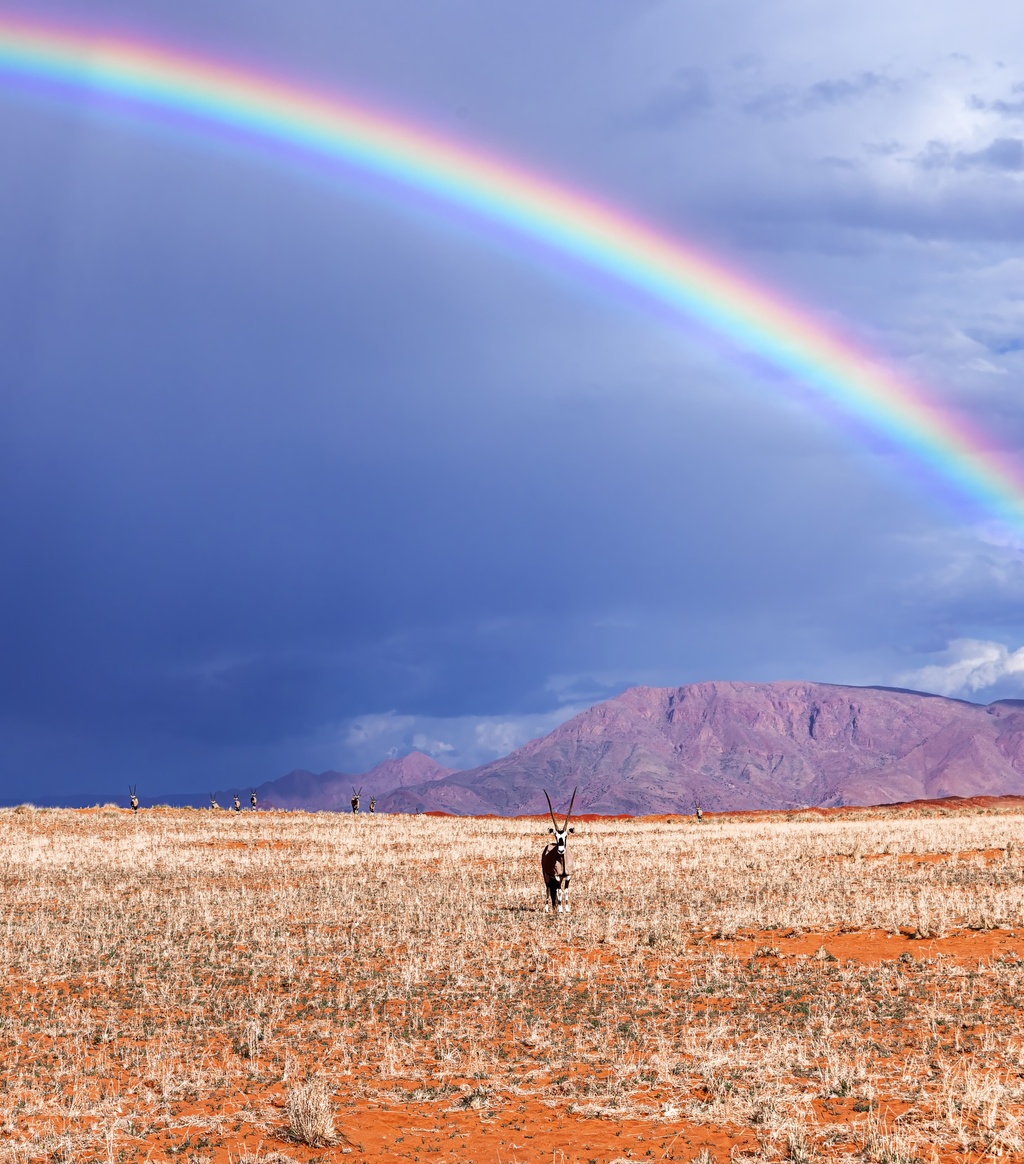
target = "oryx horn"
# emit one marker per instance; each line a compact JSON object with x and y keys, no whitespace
{"x":569,"y":813}
{"x":551,"y":810}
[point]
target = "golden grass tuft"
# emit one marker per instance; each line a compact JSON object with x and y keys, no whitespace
{"x":311,"y":1114}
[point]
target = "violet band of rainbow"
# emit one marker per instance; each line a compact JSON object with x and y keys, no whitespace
{"x":153,"y":78}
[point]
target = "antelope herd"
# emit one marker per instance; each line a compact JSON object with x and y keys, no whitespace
{"x":555,"y":863}
{"x":236,"y":803}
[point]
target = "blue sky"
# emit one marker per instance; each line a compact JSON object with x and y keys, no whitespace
{"x":297,"y":474}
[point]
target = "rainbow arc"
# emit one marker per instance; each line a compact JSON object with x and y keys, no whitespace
{"x":218,"y":98}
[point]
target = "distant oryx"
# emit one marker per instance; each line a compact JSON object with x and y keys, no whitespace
{"x":355,"y":799}
{"x":236,"y":803}
{"x":555,"y":863}
{"x":252,"y":800}
{"x":213,"y":801}
{"x":373,"y":804}
{"x":698,"y":812}
{"x":134,"y":802}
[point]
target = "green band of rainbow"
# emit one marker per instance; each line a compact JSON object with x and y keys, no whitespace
{"x":152,"y":78}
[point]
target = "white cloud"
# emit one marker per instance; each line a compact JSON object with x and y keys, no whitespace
{"x":435,"y":748}
{"x":372,"y":729}
{"x":456,"y":741}
{"x":982,"y":365}
{"x":502,"y":737}
{"x":968,"y":666}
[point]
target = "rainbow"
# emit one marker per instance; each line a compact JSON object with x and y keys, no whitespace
{"x":275,"y":114}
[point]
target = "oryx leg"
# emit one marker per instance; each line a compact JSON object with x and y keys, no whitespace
{"x":563,"y":895}
{"x":552,"y":892}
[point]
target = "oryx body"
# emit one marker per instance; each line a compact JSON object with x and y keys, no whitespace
{"x":373,"y":804}
{"x":252,"y":800}
{"x":555,"y":863}
{"x":134,"y":797}
{"x":356,"y":793}
{"x":236,"y":803}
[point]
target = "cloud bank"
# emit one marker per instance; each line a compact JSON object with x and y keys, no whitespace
{"x":969,"y":667}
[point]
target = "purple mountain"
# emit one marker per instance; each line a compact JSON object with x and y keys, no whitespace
{"x":734,"y":746}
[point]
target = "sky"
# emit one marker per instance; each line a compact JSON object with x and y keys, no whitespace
{"x":300,"y":471}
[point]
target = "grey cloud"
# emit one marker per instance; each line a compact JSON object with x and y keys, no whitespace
{"x":859,"y":218}
{"x":883,"y":149}
{"x":837,"y":92}
{"x":1002,"y":153}
{"x":936,"y":155}
{"x":998,"y":344}
{"x":785,"y":101}
{"x":687,"y":95}
{"x":1012,"y":108}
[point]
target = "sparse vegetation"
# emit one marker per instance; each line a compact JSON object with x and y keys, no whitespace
{"x":178,"y":985}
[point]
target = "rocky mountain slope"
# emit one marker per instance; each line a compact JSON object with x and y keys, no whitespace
{"x":745,"y":746}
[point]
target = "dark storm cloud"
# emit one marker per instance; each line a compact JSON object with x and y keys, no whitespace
{"x":297,"y":470}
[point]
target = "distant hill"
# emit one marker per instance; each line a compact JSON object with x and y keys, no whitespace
{"x":333,"y":790}
{"x":745,"y":746}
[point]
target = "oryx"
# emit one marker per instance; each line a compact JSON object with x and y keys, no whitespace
{"x":373,"y":804}
{"x":236,"y":803}
{"x":698,"y":812}
{"x":252,"y":800}
{"x":134,"y":802}
{"x":555,"y":863}
{"x":213,"y":801}
{"x":355,"y":799}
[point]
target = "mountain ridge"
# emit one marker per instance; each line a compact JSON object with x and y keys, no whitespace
{"x":733,"y":746}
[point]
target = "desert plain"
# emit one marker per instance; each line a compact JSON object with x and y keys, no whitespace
{"x":206,"y":987}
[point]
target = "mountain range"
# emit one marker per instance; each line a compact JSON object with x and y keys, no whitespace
{"x":727,"y":746}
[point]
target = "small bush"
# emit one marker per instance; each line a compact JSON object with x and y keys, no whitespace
{"x":311,"y":1114}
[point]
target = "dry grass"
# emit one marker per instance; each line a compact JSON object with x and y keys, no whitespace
{"x":172,"y":979}
{"x":311,"y":1113}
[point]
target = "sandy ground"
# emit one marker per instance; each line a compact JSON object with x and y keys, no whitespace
{"x":143,"y":1017}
